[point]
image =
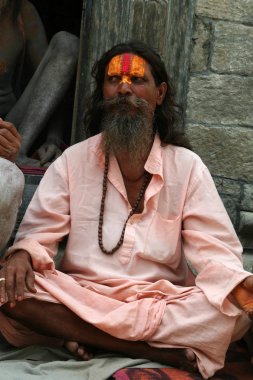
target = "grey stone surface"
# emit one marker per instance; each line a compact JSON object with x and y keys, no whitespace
{"x":231,"y":206}
{"x":234,"y":10}
{"x":247,"y":200}
{"x":200,"y":46}
{"x":227,"y":151}
{"x":228,"y":186}
{"x":233,"y":48}
{"x":246,"y":222}
{"x":248,"y":262}
{"x":221,"y":99}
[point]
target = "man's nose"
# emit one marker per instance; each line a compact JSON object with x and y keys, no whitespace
{"x":124,"y":88}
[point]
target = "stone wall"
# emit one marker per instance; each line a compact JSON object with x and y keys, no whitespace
{"x":220,"y":103}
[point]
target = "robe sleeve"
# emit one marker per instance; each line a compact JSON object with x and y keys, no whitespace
{"x":47,"y":218}
{"x":210,"y":243}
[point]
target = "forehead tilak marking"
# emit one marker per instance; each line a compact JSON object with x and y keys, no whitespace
{"x":127,"y":64}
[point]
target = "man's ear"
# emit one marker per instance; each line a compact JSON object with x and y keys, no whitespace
{"x":161,"y":92}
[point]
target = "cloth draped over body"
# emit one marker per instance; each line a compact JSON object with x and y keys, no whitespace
{"x":145,"y":290}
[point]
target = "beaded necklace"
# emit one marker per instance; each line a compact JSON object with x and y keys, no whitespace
{"x":147,"y":177}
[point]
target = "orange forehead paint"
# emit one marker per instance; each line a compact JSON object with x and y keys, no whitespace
{"x":127,"y":65}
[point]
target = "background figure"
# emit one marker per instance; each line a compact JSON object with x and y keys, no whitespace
{"x":11,"y":180}
{"x":24,"y":50}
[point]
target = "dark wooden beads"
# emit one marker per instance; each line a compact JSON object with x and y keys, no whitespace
{"x":147,"y":177}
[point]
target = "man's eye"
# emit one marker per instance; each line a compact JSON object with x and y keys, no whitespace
{"x":137,"y":80}
{"x":114,"y":79}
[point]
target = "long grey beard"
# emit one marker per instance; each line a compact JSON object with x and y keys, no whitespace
{"x":127,"y":126}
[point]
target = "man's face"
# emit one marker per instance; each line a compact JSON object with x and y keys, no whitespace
{"x":130,"y":75}
{"x":130,"y":99}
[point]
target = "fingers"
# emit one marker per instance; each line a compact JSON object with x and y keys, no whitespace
{"x":10,"y":127}
{"x":30,"y":281}
{"x":248,"y":283}
{"x":15,"y":281}
{"x":19,"y":276}
{"x":2,"y":287}
{"x":9,"y":140}
{"x":10,"y":285}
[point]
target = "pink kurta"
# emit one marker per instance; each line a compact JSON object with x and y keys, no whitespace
{"x":141,"y":292}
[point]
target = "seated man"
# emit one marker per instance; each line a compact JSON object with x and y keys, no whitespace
{"x":36,"y":109}
{"x":137,"y":206}
{"x":11,"y":180}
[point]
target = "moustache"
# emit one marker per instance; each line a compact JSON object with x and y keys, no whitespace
{"x":124,"y":104}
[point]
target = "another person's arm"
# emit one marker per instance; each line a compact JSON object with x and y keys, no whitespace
{"x":35,"y":35}
{"x":10,"y":140}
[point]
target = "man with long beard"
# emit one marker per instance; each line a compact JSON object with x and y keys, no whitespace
{"x":137,"y":207}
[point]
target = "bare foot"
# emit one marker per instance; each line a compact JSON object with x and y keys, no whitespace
{"x":24,"y":160}
{"x":184,"y":359}
{"x":78,"y":350}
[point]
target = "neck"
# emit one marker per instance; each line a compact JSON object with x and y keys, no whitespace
{"x":130,"y":171}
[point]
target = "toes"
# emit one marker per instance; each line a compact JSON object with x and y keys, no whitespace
{"x":72,"y":346}
{"x":78,"y":350}
{"x":190,"y":355}
{"x":83,"y":353}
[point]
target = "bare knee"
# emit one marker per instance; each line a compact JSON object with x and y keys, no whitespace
{"x":65,"y":44}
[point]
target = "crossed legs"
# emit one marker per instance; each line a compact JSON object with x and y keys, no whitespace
{"x":56,"y":320}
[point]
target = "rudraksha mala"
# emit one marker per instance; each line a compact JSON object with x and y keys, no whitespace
{"x":147,"y":177}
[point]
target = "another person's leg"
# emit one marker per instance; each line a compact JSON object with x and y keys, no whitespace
{"x":11,"y":190}
{"x":45,"y":90}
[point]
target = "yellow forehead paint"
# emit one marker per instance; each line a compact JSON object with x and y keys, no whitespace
{"x":127,"y":65}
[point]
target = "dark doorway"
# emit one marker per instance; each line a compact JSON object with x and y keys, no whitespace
{"x":60,"y":15}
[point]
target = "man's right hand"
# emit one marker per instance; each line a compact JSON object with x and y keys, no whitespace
{"x":16,"y":276}
{"x":10,"y":140}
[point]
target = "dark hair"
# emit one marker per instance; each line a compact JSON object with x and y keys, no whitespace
{"x":168,"y":115}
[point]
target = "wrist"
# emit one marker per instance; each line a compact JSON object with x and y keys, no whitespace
{"x":20,"y":252}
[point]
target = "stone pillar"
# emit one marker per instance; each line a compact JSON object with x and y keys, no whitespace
{"x":166,"y":25}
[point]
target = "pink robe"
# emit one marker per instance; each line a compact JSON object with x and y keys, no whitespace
{"x":143,"y":291}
